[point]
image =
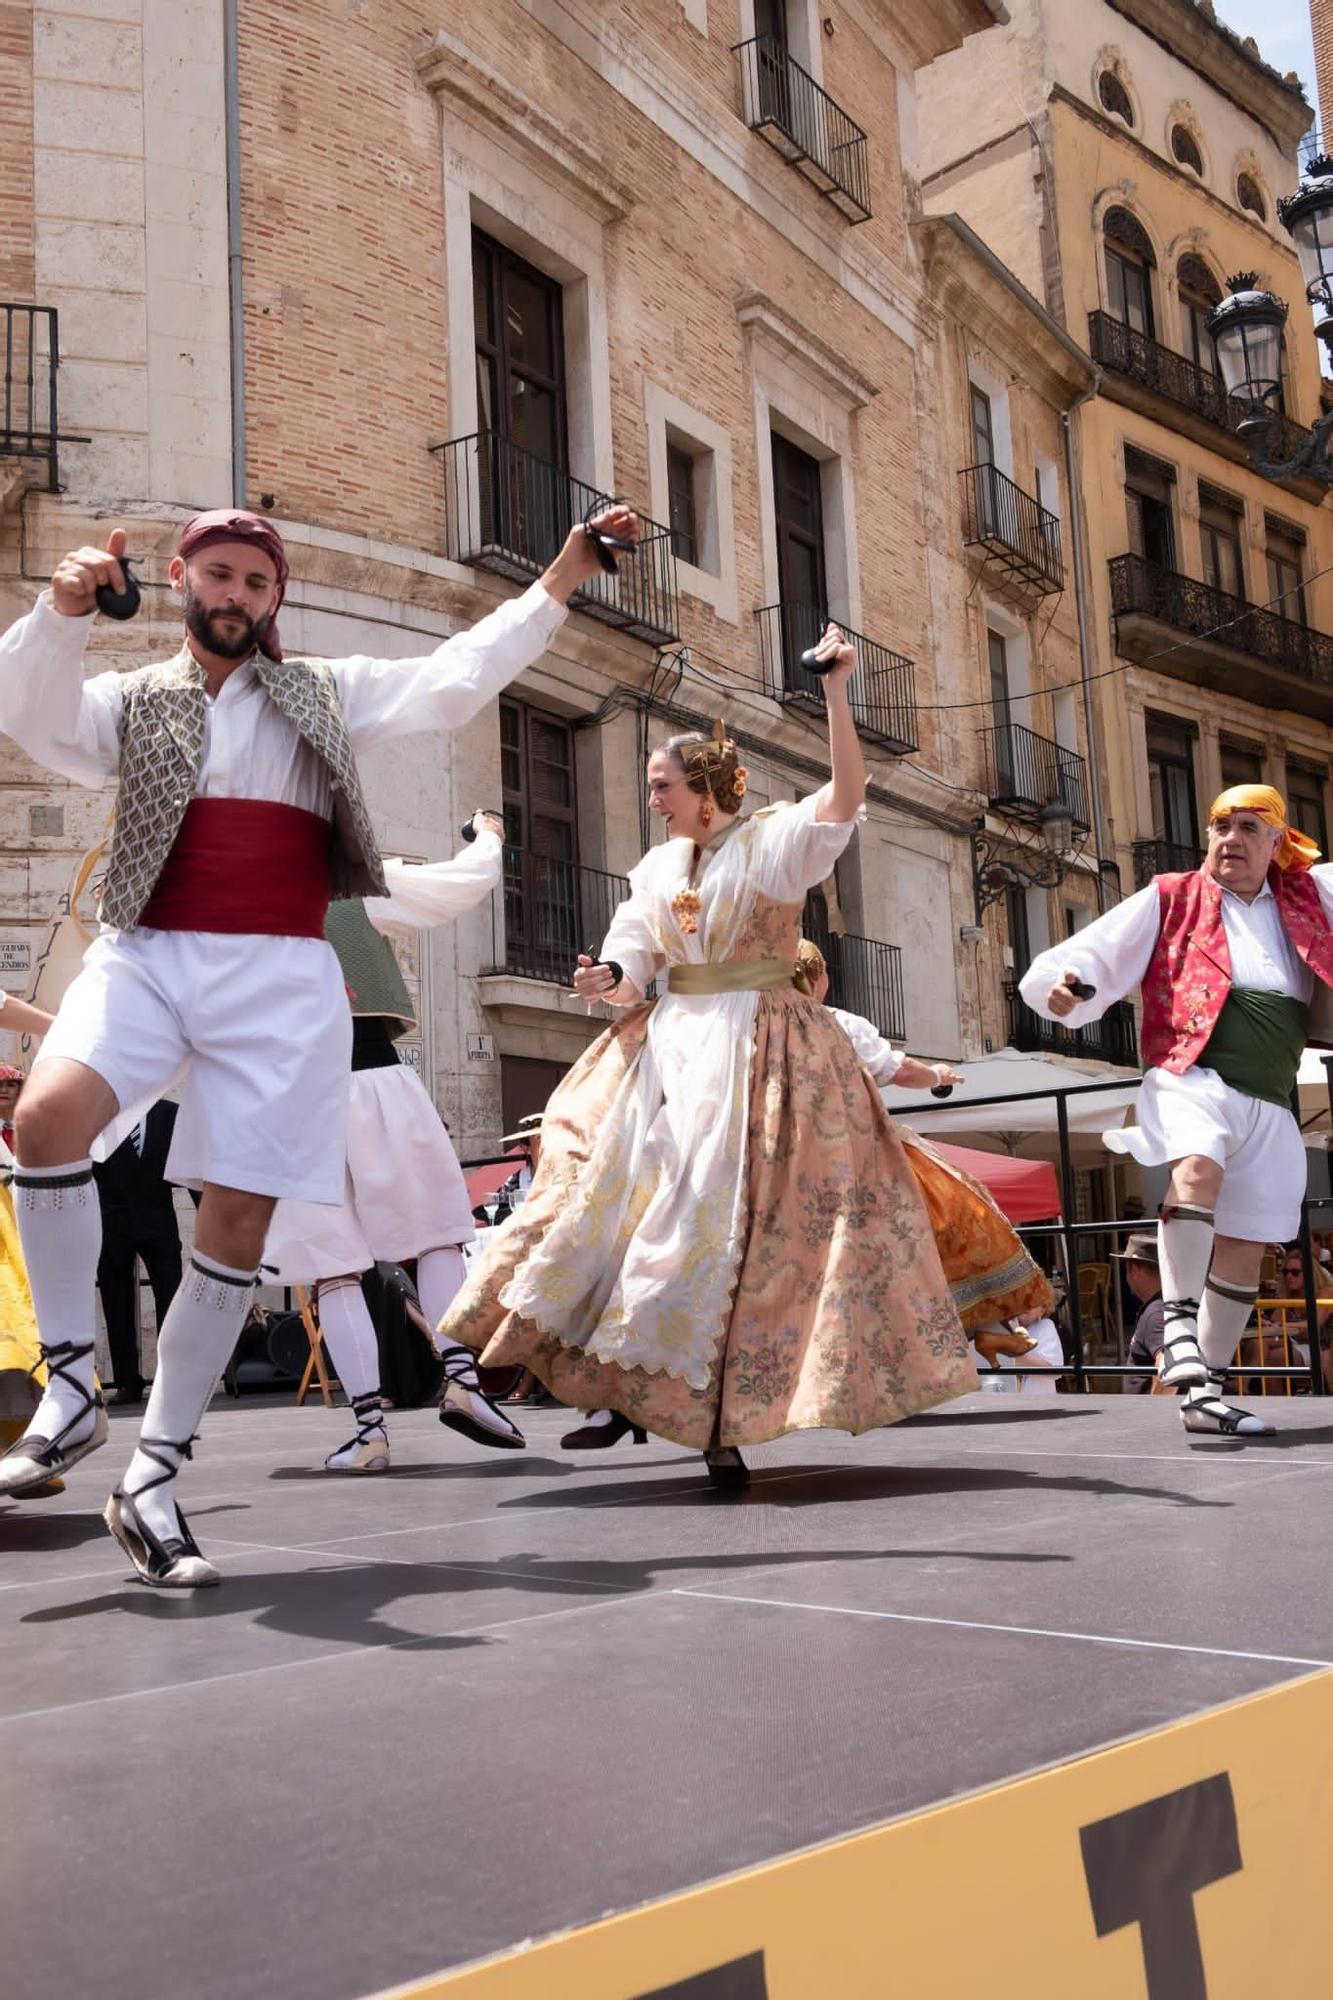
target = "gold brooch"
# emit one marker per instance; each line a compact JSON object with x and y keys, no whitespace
{"x":685,"y":908}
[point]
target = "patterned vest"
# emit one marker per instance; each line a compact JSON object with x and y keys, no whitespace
{"x":161,"y":741}
{"x":374,"y":979}
{"x":1189,"y":973}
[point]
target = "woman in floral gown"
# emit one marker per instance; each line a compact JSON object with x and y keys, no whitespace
{"x":724,"y":1241}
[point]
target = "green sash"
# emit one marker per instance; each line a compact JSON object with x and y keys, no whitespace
{"x":1256,"y":1046}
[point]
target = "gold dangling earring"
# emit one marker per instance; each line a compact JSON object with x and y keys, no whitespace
{"x":706,"y":814}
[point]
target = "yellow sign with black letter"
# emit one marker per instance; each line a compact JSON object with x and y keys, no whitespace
{"x":1175,"y":1866}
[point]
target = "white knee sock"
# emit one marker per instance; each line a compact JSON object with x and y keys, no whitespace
{"x":349,"y":1334}
{"x":1184,"y":1252}
{"x":193,"y":1347}
{"x":1223,"y":1317}
{"x":440,"y":1274}
{"x":60,"y":1227}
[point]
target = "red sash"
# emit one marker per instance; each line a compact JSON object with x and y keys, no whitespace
{"x":244,"y":865}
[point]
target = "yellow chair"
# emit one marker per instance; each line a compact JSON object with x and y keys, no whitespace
{"x":1094,"y":1297}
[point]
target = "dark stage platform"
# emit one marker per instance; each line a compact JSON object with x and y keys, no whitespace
{"x":491,"y":1696}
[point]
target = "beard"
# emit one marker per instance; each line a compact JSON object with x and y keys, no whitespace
{"x":226,"y":642}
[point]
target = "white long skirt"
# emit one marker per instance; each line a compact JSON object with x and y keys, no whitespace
{"x":403,"y":1189}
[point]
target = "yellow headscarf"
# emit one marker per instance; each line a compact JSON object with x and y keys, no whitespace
{"x":1294,"y":850}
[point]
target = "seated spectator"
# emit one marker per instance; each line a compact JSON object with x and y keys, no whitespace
{"x":1294,"y":1350}
{"x":1144,"y":1279}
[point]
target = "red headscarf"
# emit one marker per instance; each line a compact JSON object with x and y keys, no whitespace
{"x":230,"y":524}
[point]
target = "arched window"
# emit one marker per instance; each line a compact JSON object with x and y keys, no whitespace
{"x":1185,"y":147}
{"x":1250,"y":196}
{"x":1199,"y":293}
{"x":1114,"y":96}
{"x":1129,"y":265}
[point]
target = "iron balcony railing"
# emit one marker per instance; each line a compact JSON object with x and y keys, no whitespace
{"x":1162,"y":857}
{"x":1020,"y":535}
{"x":789,"y":109}
{"x":1025,"y":772}
{"x":546,"y":912}
{"x":1138,"y":586}
{"x":1111,"y":1039}
{"x":883,"y":688}
{"x":865,"y":976}
{"x":31,"y":425}
{"x":1179,"y":380}
{"x":508,"y":511}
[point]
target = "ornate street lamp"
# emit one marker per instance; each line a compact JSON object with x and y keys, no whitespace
{"x":1247,"y":331}
{"x":995,"y":871}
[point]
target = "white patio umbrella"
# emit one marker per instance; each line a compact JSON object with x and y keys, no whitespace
{"x":1026,"y":1123}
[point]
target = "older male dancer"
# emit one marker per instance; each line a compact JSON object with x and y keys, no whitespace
{"x":1235,"y":959}
{"x":239,"y":813}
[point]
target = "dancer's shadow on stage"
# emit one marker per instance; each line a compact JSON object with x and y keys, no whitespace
{"x":816,"y":1485}
{"x":25,"y":1531}
{"x":344,"y":1604}
{"x":1034,"y":1414}
{"x":1201,"y":1445}
{"x":490,"y":1465}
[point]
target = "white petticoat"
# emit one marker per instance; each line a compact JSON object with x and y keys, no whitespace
{"x":403,"y":1188}
{"x":254,"y":1030}
{"x":1257,"y":1144}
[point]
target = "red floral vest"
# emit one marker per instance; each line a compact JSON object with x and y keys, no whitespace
{"x":1189,"y":974}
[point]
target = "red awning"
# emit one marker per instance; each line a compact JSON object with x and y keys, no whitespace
{"x":483,"y":1182}
{"x":1026,"y":1190}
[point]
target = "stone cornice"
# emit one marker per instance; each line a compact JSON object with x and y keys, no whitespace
{"x":1191,"y":33}
{"x":767,"y":321}
{"x":968,"y":280}
{"x":458,"y":76}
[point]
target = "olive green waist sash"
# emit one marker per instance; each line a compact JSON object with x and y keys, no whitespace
{"x":756,"y":975}
{"x":1256,"y":1044}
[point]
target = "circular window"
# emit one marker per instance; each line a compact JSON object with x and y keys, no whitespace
{"x":1185,"y":147}
{"x":1250,"y":196}
{"x":1114,"y":96}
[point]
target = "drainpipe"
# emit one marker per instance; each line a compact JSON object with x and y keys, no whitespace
{"x":232,"y":89}
{"x":1084,"y":649}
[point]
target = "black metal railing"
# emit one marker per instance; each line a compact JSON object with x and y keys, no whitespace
{"x":1181,"y":381}
{"x":787,"y":107}
{"x":548,"y":911}
{"x":1162,"y":857}
{"x":1112,"y":1039}
{"x":508,"y":511}
{"x":1138,"y":586}
{"x":1015,"y":530}
{"x":30,"y":426}
{"x":865,"y":976}
{"x":1025,"y":772}
{"x":883,"y":688}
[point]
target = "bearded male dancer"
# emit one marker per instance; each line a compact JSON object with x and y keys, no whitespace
{"x":239,"y":813}
{"x":1235,"y":959}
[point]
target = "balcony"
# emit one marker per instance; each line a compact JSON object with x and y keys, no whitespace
{"x":865,"y":976}
{"x":508,"y":511}
{"x":552,"y":910}
{"x":883,"y":688}
{"x":29,"y":423}
{"x":787,"y":107}
{"x":1025,"y":772}
{"x":1019,"y":536}
{"x":1162,"y":374}
{"x":1212,"y":640}
{"x":1162,"y":857}
{"x":1110,"y":1040}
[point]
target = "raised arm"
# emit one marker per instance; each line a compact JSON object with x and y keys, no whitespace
{"x":423,"y":894}
{"x":844,"y":795}
{"x":382,"y":699}
{"x":22,"y":1018}
{"x":64,"y":722}
{"x":1111,"y":955}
